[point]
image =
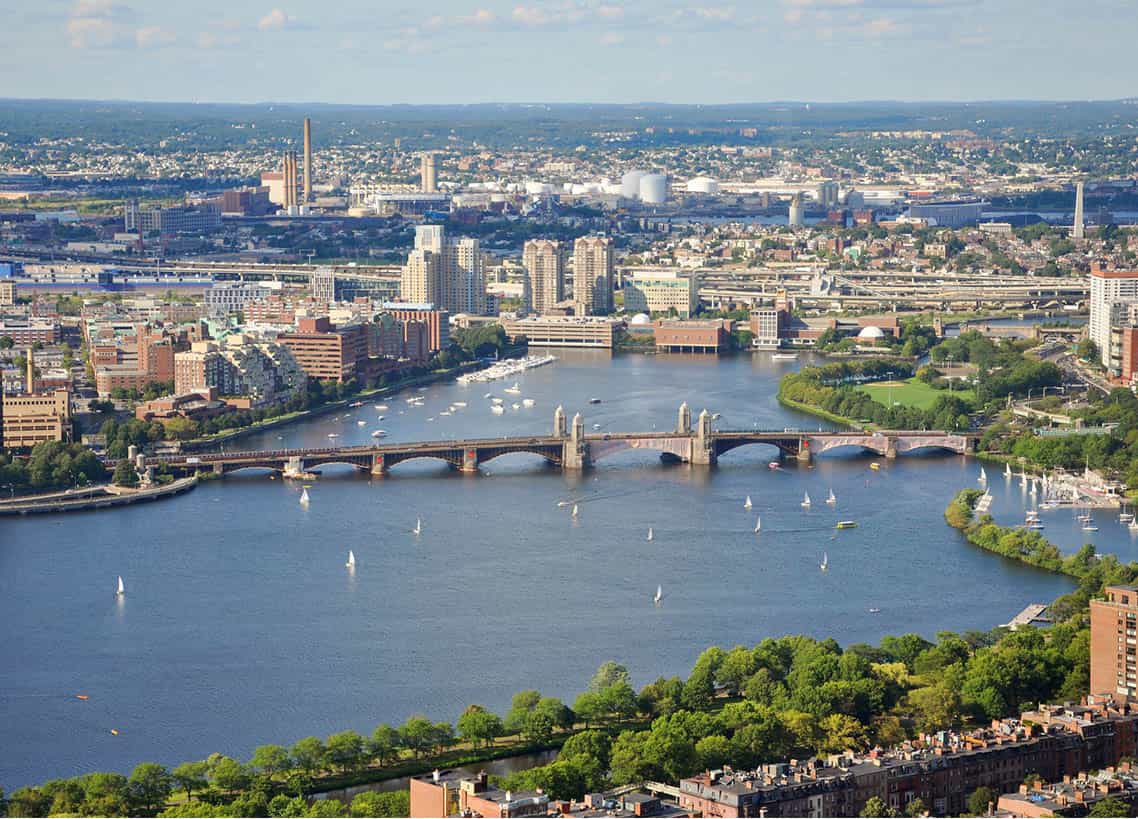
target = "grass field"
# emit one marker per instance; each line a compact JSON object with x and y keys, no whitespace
{"x":909,"y":393}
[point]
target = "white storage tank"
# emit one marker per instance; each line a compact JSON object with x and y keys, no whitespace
{"x":703,"y":184}
{"x":654,"y":189}
{"x":630,"y":184}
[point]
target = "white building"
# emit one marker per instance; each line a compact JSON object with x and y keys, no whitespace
{"x":224,"y":298}
{"x":592,"y":274}
{"x":447,"y":272}
{"x":662,"y":292}
{"x":544,"y":263}
{"x":1112,"y":292}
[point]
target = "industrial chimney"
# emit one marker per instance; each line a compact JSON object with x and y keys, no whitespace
{"x":307,"y":160}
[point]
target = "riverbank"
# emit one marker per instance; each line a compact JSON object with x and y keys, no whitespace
{"x":823,"y":414}
{"x":99,"y":497}
{"x":205,"y":444}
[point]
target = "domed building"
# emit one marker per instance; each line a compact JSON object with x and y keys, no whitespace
{"x":870,"y":335}
{"x":640,"y":323}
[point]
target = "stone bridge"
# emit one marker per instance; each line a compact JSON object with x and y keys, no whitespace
{"x":567,"y":448}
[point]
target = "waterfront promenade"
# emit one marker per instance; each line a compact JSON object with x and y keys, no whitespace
{"x":97,"y":497}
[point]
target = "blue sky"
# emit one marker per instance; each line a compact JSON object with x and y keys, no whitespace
{"x":453,"y":51}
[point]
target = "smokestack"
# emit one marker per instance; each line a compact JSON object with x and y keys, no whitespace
{"x":31,"y":387}
{"x":307,"y":160}
{"x":1078,"y":230}
{"x":288,"y":170}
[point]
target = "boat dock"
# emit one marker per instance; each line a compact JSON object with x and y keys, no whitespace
{"x":1033,"y":615}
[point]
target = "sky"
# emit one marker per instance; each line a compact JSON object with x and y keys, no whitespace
{"x":459,"y":51}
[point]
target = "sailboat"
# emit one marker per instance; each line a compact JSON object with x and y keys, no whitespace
{"x":825,"y":561}
{"x":659,"y":595}
{"x":758,"y":524}
{"x":1007,"y":470}
{"x":304,"y":496}
{"x":983,"y":476}
{"x":747,"y":503}
{"x":574,"y":510}
{"x":806,"y":500}
{"x":418,"y":530}
{"x":832,"y":499}
{"x":121,"y":591}
{"x":649,"y":533}
{"x":351,"y":564}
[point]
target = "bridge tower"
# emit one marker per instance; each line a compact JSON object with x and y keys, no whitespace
{"x":684,"y":425}
{"x":575,"y":454}
{"x":559,"y":427}
{"x":703,"y":448}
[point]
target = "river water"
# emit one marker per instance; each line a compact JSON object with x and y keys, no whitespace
{"x":241,"y":624}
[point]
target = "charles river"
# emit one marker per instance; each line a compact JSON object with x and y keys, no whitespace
{"x":242,"y":626}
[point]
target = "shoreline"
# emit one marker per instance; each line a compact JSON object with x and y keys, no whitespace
{"x":88,"y":501}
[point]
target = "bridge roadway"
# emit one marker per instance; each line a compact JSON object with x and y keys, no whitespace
{"x":569,"y":447}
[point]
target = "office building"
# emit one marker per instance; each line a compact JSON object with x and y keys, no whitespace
{"x":564,"y":331}
{"x":7,"y":293}
{"x":199,"y":219}
{"x":1112,"y":293}
{"x":324,"y":285}
{"x":707,"y":336}
{"x":766,"y":325}
{"x":328,"y":352}
{"x":252,"y":201}
{"x":428,"y":178}
{"x":952,"y":213}
{"x":436,"y":322}
{"x":29,"y":419}
{"x":224,"y":298}
{"x":662,"y":292}
{"x":446,"y":272}
{"x":29,"y":331}
{"x":592,"y":274}
{"x":544,"y":263}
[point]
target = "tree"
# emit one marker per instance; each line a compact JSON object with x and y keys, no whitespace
{"x":589,"y":705}
{"x":125,"y":474}
{"x":328,"y":807}
{"x":522,"y":703}
{"x":479,"y":726}
{"x":608,"y":674}
{"x":150,"y":786}
{"x":344,"y":750}
{"x":270,"y":759}
{"x":980,"y":799}
{"x":7,"y":343}
{"x":593,"y":744}
{"x":1112,"y":806}
{"x":713,"y":751}
{"x":190,"y":777}
{"x":417,"y":734}
{"x":371,"y":803}
{"x":105,"y":794}
{"x":916,"y":807}
{"x":228,"y":774}
{"x":385,"y":743}
{"x":1087,"y":350}
{"x":875,"y":806}
{"x":308,"y":753}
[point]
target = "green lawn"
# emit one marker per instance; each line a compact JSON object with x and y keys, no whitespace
{"x":909,"y":393}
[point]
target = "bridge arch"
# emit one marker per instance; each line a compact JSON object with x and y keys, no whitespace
{"x":242,"y":467}
{"x":449,"y":457}
{"x":678,"y":447}
{"x":787,"y":447}
{"x":551,"y":455}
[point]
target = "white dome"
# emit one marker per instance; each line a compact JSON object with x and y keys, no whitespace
{"x":641,"y":318}
{"x":871,"y":332}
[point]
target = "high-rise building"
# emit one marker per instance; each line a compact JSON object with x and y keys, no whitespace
{"x":1114,"y":636}
{"x":288,"y":171}
{"x":307,"y":160}
{"x":1077,"y":231}
{"x":592,"y":274}
{"x":544,"y":263}
{"x":794,"y":216}
{"x":1112,"y":291}
{"x":428,"y":179}
{"x":662,"y":291}
{"x":449,"y":273}
{"x":324,"y":285}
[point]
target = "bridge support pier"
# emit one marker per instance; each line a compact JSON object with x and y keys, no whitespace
{"x":702,"y":446}
{"x":378,"y":466}
{"x":575,"y":451}
{"x":804,"y":455}
{"x":470,"y":461}
{"x":294,"y":468}
{"x":891,"y":450}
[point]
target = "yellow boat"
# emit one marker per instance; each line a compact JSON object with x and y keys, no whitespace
{"x":846,"y":524}
{"x":875,"y":466}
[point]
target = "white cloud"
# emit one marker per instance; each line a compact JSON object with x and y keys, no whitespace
{"x":530,"y":16}
{"x":153,"y":37}
{"x":482,"y":17}
{"x":610,"y":12}
{"x":98,"y":24}
{"x":611,"y":38}
{"x":882,"y":26}
{"x":718,"y":13}
{"x":276,"y":20}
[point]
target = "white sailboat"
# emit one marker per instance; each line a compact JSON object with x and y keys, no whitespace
{"x":983,"y":476}
{"x":574,"y":510}
{"x":1007,"y":470}
{"x":418,"y":530}
{"x":121,"y":591}
{"x":747,"y":503}
{"x":514,"y":390}
{"x":304,"y":496}
{"x":806,"y":500}
{"x":832,"y":499}
{"x":758,"y":524}
{"x":825,"y":561}
{"x":351,"y":564}
{"x":659,"y":595}
{"x":649,"y":533}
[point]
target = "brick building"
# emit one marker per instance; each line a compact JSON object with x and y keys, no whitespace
{"x":328,"y":352}
{"x":705,"y":336}
{"x":452,"y":793}
{"x":1114,"y":642}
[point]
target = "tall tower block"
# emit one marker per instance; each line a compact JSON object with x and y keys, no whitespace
{"x":428,"y":180}
{"x":307,"y":160}
{"x":1077,"y":231}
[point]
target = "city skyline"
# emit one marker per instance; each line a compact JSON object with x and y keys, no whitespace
{"x":486,"y":51}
